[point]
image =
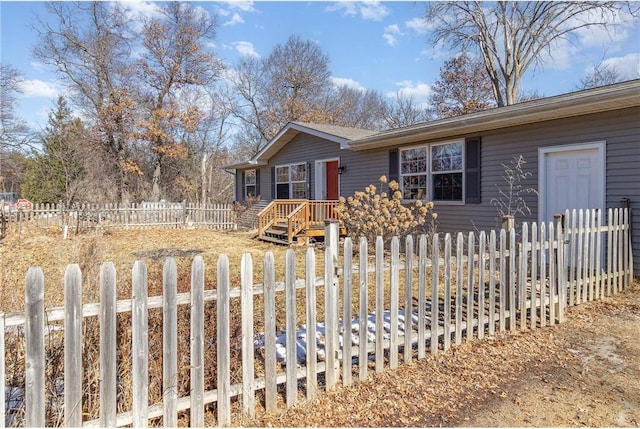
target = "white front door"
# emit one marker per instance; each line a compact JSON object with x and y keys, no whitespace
{"x":572,"y":177}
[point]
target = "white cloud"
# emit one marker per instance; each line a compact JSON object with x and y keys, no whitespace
{"x":419,"y":91}
{"x":390,"y":34}
{"x":235,"y":19}
{"x":418,"y":25}
{"x":38,"y":88}
{"x":346,"y":81}
{"x":245,"y":49}
{"x":367,"y":10}
{"x":628,"y":66}
{"x":244,"y":6}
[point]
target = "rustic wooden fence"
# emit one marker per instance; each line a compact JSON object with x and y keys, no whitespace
{"x":134,"y":215}
{"x":392,"y":306}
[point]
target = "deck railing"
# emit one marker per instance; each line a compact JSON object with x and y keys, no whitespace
{"x":297,"y":215}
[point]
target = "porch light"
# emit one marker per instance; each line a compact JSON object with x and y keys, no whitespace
{"x":342,"y":169}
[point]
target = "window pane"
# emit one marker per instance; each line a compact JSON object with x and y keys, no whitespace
{"x":413,"y":160}
{"x":251,"y":191}
{"x":414,"y":187}
{"x":282,"y":174}
{"x":250,"y":177}
{"x":447,"y":187}
{"x":446,"y":157}
{"x":282,"y":191}
{"x":298,"y":172}
{"x":299,"y":190}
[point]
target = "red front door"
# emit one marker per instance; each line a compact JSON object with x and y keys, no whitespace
{"x":332,"y":180}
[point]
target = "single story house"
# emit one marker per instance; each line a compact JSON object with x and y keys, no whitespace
{"x":582,"y":150}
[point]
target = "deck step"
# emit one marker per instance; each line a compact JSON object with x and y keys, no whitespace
{"x":273,"y":239}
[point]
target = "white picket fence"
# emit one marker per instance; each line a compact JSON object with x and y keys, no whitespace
{"x":133,"y":215}
{"x":449,"y":289}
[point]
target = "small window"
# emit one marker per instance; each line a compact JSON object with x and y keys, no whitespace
{"x":250,"y":183}
{"x":291,"y":181}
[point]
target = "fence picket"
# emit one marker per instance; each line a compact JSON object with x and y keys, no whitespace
{"x":435,"y":263}
{"x":363,"y":338}
{"x":108,"y":332}
{"x":2,"y":374}
{"x":408,"y":299}
{"x":481,"y":284}
{"x":312,"y":354}
{"x":447,"y":292}
{"x":290,"y":304}
{"x":599,"y":285}
{"x":331,"y":304}
{"x":393,"y":296}
{"x":543,"y":277}
{"x":553,"y":293}
{"x":422,"y":294}
{"x":170,"y":343}
{"x":223,"y":354}
{"x":458,"y":300}
{"x":511,"y":282}
{"x":271,"y":386}
{"x":470,"y":279}
{"x":503,"y":280}
{"x":522,"y":276}
{"x":346,"y":319}
{"x":379,"y":304}
{"x":196,"y":340}
{"x":140,"y":345}
{"x":492,"y":282}
{"x":35,"y":352}
{"x":248,"y":376}
{"x":534,"y":276}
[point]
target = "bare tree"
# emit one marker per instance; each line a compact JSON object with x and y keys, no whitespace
{"x":353,"y":107}
{"x":513,"y":36}
{"x":602,"y":74}
{"x":403,"y":111}
{"x":463,"y":88}
{"x":89,"y":44}
{"x":175,"y":58}
{"x":291,"y":84}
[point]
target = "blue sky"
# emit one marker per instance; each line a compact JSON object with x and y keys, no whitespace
{"x":372,"y":45}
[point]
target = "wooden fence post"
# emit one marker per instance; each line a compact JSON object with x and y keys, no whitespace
{"x":170,"y":343}
{"x":394,"y":295}
{"x":363,"y":354}
{"x":347,"y":316}
{"x":331,"y":301}
{"x":379,"y":304}
{"x":108,"y":332}
{"x":73,"y":346}
{"x":271,"y":387}
{"x":291,"y":343}
{"x":435,"y":278}
{"x":223,"y":353}
{"x":34,"y":335}
{"x":248,"y":377}
{"x":197,"y":342}
{"x":312,"y":352}
{"x":140,"y":345}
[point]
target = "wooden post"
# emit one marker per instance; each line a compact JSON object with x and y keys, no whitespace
{"x":248,"y":376}
{"x":331,"y":300}
{"x":291,"y":343}
{"x":223,"y":352}
{"x":363,"y":354}
{"x":508,"y":224}
{"x":197,"y":342}
{"x":170,"y":343}
{"x":312,"y":352}
{"x":271,"y":385}
{"x":34,"y":336}
{"x":140,"y":345}
{"x":347,"y":315}
{"x":108,"y":374}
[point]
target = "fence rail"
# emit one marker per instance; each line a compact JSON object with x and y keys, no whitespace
{"x":449,"y":289}
{"x":134,"y":215}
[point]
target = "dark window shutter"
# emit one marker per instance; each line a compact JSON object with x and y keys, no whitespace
{"x":472,"y":170}
{"x":273,"y":183}
{"x":243,"y":189}
{"x":308,"y":179}
{"x":257,"y":182}
{"x":394,"y":165}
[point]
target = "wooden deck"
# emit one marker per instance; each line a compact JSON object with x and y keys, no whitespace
{"x":295,"y":221}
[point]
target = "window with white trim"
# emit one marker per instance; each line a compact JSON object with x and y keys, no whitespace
{"x":250,"y":183}
{"x":432,"y":172}
{"x":291,"y":181}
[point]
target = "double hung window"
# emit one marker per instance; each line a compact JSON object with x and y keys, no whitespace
{"x":250,"y":183}
{"x":432,"y":172}
{"x":291,"y":181}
